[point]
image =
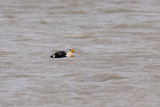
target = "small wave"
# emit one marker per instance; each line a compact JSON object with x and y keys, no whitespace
{"x":121,"y":10}
{"x":6,"y":53}
{"x":100,"y":78}
{"x":76,"y":12}
{"x":42,"y":22}
{"x":152,"y":21}
{"x":13,"y":75}
{"x":67,"y":11}
{"x":3,"y":53}
{"x":23,"y":39}
{"x":9,"y":16}
{"x":125,"y":2}
{"x":101,"y":40}
{"x":36,"y":53}
{"x":122,"y":26}
{"x":6,"y":64}
{"x":79,"y":36}
{"x":157,"y":77}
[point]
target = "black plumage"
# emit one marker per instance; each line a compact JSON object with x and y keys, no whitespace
{"x":59,"y":54}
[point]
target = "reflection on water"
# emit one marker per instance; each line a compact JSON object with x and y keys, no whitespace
{"x":117,"y":53}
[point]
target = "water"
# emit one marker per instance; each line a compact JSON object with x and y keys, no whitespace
{"x":117,"y":53}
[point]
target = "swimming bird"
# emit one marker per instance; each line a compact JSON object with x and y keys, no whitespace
{"x":61,"y":54}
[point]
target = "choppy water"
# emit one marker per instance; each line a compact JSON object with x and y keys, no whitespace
{"x":117,"y":45}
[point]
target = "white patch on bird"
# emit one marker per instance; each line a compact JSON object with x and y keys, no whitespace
{"x":70,"y":54}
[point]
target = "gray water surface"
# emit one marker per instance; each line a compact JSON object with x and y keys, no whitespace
{"x":117,"y":48}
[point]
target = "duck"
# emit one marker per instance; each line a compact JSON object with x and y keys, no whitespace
{"x":61,"y":54}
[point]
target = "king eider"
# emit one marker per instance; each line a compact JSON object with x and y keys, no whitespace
{"x":61,"y":54}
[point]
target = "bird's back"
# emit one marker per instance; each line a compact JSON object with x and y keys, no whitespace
{"x":59,"y":54}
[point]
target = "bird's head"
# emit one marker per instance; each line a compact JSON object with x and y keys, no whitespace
{"x":70,"y":50}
